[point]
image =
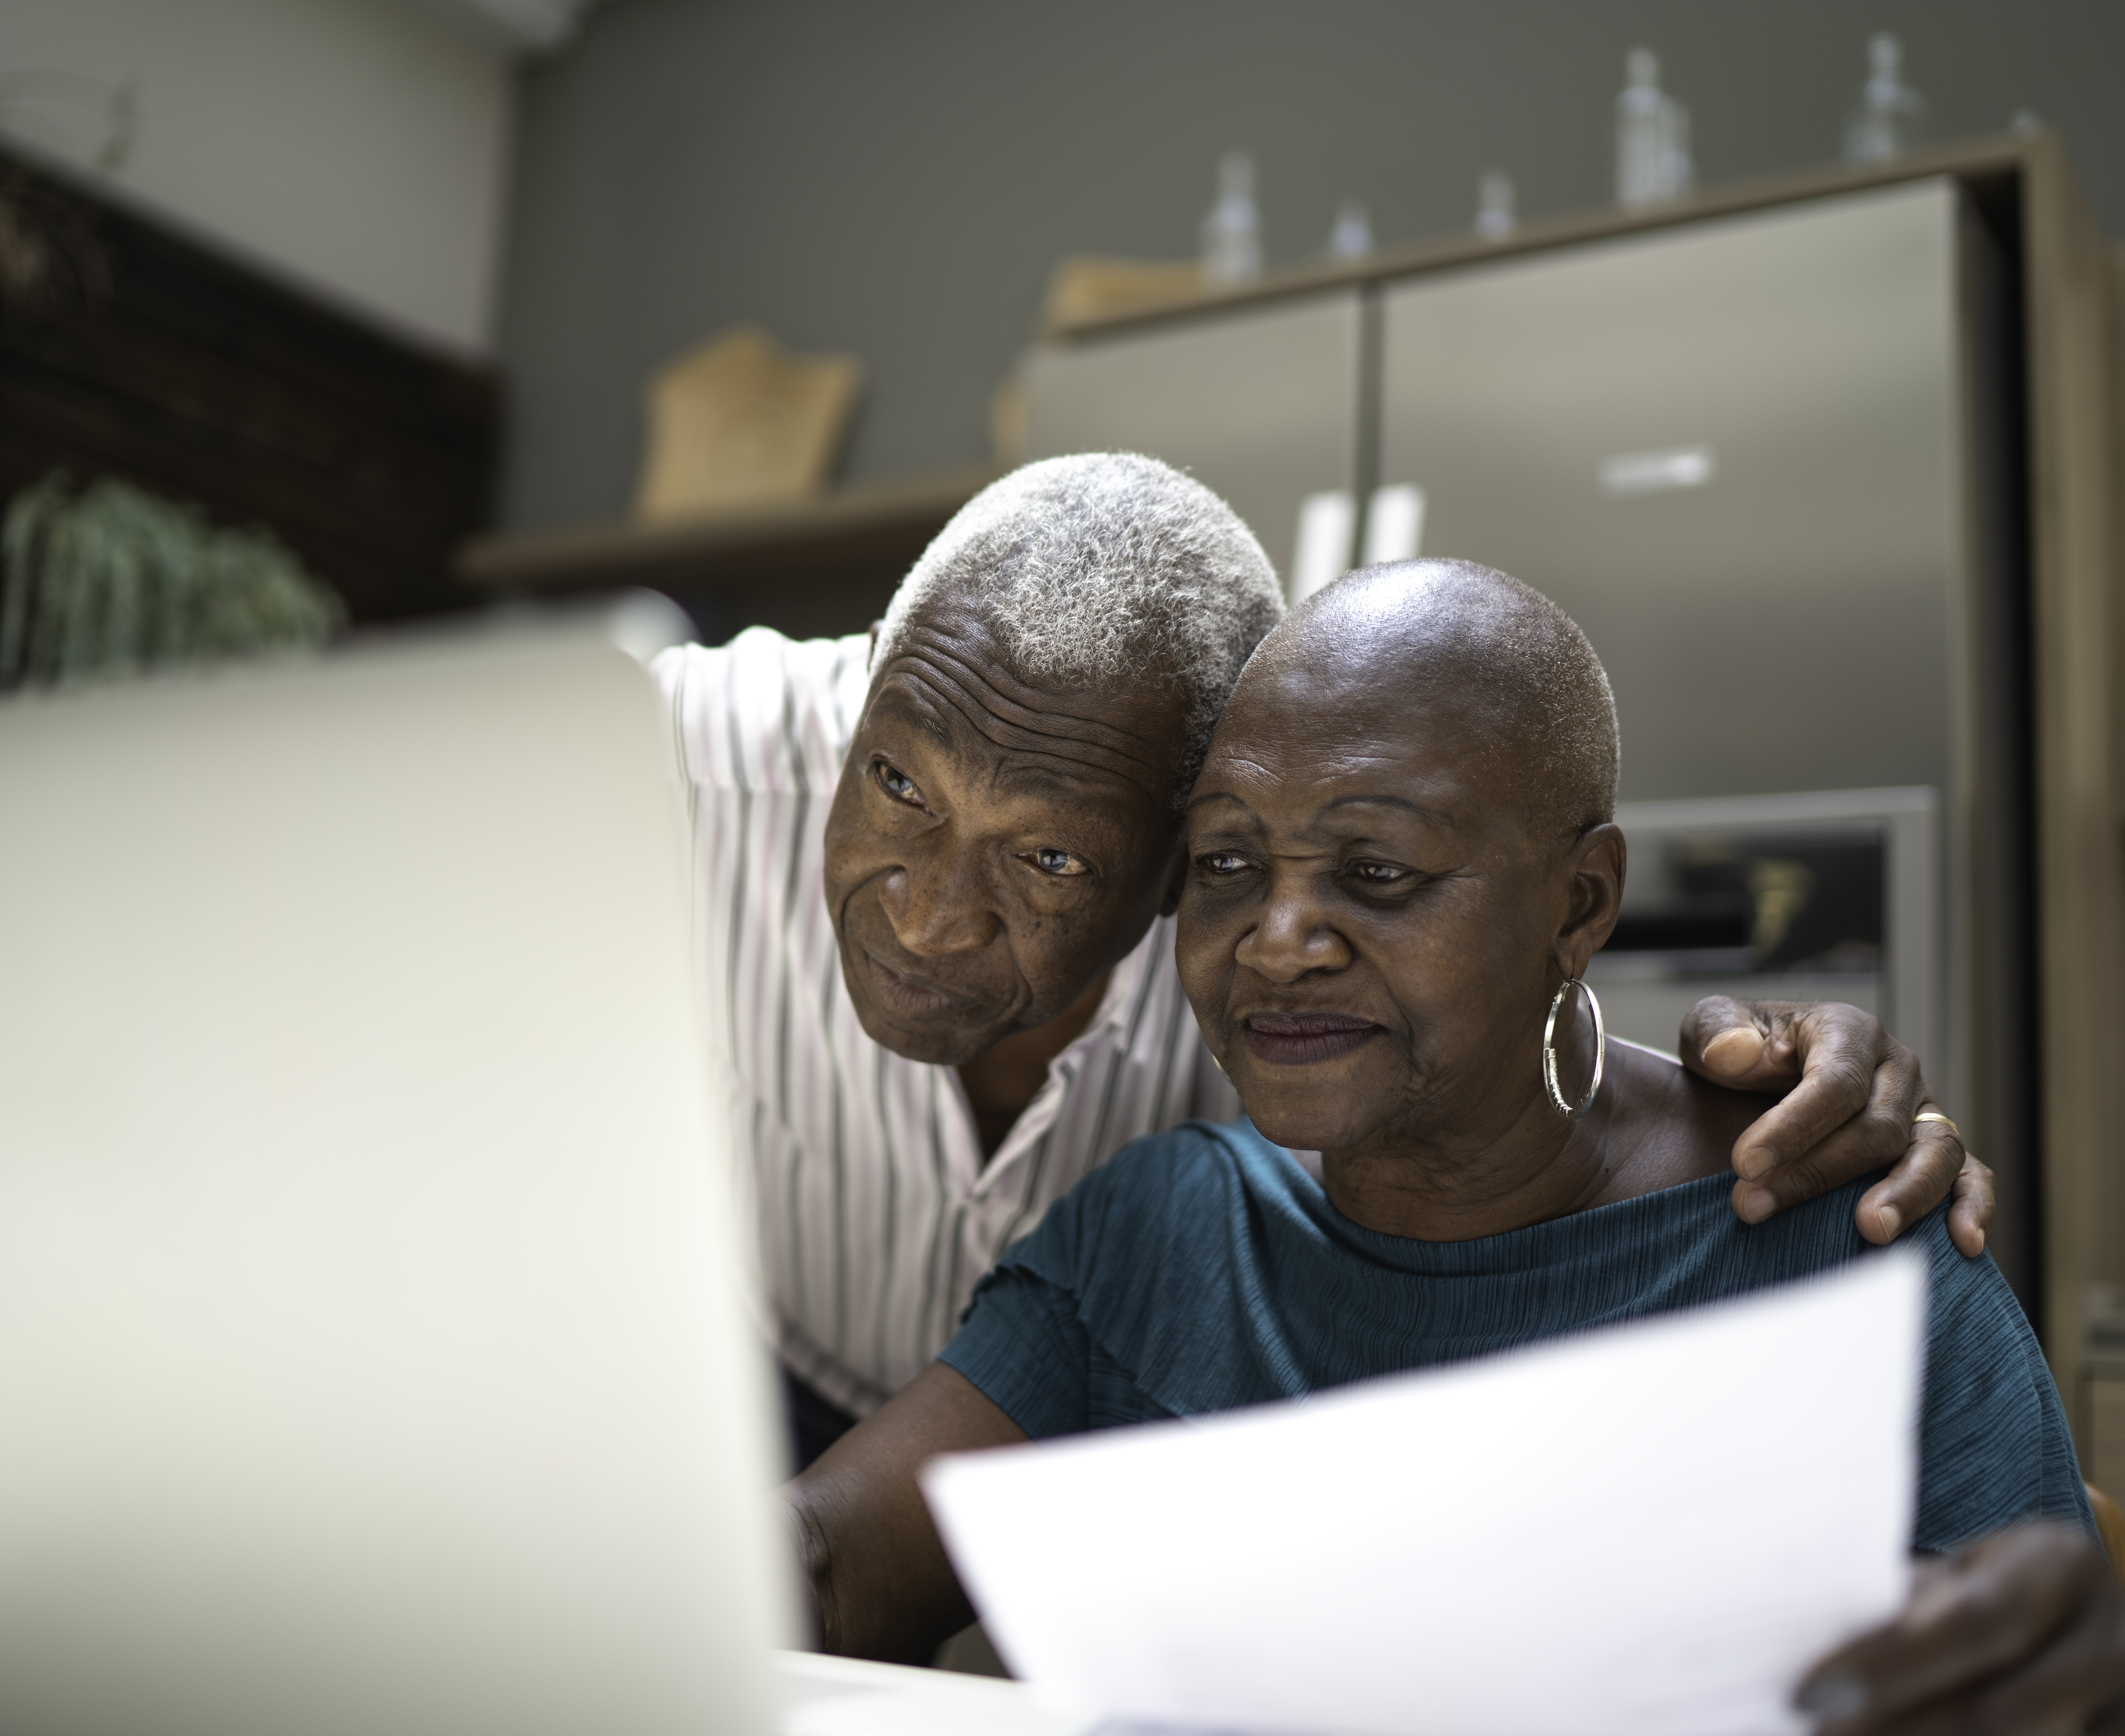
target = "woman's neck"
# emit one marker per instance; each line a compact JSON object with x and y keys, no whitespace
{"x":1652,"y":1125}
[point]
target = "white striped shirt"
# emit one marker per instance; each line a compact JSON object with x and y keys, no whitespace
{"x":876,"y":1212}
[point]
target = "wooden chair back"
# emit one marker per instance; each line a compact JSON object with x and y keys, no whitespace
{"x":2110,"y":1527}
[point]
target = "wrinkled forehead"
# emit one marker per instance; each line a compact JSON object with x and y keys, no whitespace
{"x":1315,"y":725}
{"x":949,"y":679}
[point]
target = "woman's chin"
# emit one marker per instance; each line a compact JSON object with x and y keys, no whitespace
{"x":1324,"y":1104}
{"x":1300,"y":1120}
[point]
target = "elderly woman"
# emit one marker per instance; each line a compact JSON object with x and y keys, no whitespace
{"x":1400,"y":857}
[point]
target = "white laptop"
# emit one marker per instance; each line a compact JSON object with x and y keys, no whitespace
{"x":370,"y":1338}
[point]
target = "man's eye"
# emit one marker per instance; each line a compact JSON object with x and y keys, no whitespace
{"x":898,"y":784}
{"x":1222,"y":862}
{"x":1060,"y":862}
{"x":1377,"y":873}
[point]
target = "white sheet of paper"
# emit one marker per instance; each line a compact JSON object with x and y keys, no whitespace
{"x":1653,"y":1529}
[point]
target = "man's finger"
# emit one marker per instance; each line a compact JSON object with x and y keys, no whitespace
{"x":1849,"y":1087}
{"x":1996,"y":1606}
{"x":1931,"y":1164}
{"x":1922,"y":1177}
{"x":1723,"y":1040}
{"x":1792,"y":1185}
{"x":1976,"y":1198}
{"x":2070,"y":1687}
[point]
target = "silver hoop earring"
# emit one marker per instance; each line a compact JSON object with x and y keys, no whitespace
{"x":1549,"y":1050}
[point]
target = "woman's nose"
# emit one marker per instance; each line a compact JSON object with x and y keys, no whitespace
{"x":1291,"y":938}
{"x":938,"y":904}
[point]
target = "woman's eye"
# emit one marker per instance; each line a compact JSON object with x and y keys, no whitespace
{"x":1056,"y":862}
{"x":898,"y":784}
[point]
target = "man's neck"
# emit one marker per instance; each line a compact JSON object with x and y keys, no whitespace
{"x":1003,"y":1079}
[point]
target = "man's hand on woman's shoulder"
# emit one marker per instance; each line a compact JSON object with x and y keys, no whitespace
{"x":1851,"y":1095}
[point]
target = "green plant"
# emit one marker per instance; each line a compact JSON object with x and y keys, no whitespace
{"x":115,"y":581}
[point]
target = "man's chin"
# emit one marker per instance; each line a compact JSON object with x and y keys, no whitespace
{"x":942,"y":1042}
{"x":945,"y":1035}
{"x":948,"y":1048}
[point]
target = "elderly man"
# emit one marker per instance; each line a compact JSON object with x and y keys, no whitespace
{"x":983,"y":1007}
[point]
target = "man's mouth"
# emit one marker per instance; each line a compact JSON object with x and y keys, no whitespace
{"x":916,"y":998}
{"x":1295,"y":1039}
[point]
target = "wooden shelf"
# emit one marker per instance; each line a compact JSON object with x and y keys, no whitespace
{"x":852,"y":525}
{"x":816,"y":567}
{"x":809,"y":568}
{"x":1971,"y":160}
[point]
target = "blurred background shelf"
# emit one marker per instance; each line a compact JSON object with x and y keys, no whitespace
{"x":1987,"y":168}
{"x":820,"y":566}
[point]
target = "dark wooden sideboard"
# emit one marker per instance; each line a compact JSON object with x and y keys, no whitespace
{"x":168,"y":363}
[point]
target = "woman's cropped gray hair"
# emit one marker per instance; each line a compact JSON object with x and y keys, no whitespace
{"x":1099,"y":568}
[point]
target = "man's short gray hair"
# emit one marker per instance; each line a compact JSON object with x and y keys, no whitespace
{"x":1100,"y":567}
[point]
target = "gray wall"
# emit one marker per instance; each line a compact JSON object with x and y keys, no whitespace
{"x":897,"y":180}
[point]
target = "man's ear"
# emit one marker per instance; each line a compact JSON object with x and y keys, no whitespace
{"x":871,"y":650}
{"x":1597,"y":864}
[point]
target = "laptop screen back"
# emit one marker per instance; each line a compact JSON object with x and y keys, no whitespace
{"x":370,"y":1330}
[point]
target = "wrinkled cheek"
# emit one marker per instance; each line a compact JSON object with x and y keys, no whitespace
{"x":847,"y":838}
{"x":854,"y":860}
{"x":1206,"y":979}
{"x":1056,"y":956}
{"x":839,"y":886}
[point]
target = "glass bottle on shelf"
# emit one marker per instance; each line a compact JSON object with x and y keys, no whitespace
{"x":1891,"y":117}
{"x":1231,"y":241}
{"x":1352,"y":235}
{"x":1494,"y":216}
{"x":1653,"y":162}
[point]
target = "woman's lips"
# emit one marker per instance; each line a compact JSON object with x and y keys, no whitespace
{"x":1297,"y":1038}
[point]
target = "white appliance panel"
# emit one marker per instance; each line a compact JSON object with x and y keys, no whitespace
{"x":1732,"y":452}
{"x":1261,"y":405}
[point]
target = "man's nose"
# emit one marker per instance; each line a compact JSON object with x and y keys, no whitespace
{"x":1292,"y":934}
{"x":937,"y":903}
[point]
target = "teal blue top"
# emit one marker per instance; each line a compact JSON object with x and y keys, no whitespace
{"x":1201,"y":1268}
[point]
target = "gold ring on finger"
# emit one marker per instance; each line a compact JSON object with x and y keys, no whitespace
{"x":1935,"y":1115}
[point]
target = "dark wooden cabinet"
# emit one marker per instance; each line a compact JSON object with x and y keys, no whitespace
{"x":178,"y":368}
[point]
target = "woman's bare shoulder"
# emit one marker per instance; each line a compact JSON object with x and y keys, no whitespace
{"x":1674,"y":1128}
